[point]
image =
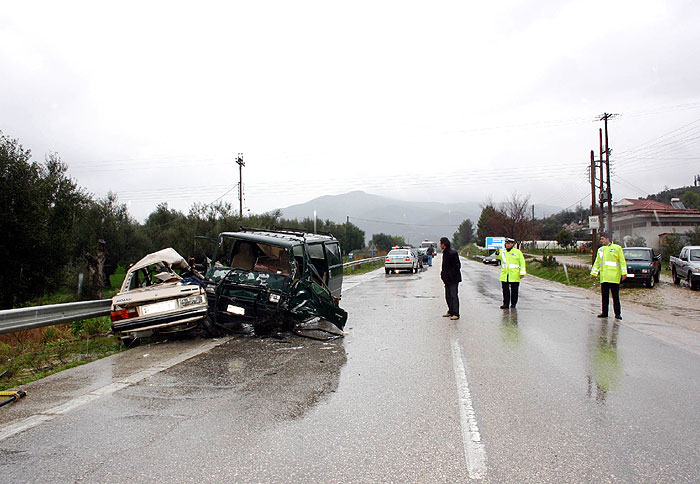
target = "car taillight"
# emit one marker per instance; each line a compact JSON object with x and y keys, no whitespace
{"x":123,"y":314}
{"x":386,"y":260}
{"x":408,"y":259}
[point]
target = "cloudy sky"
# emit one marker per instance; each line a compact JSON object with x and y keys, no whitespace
{"x":452,"y":101}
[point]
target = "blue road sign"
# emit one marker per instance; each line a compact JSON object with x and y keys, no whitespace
{"x":495,"y":243}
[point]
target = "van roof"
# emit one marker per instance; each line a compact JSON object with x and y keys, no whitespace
{"x":285,"y":239}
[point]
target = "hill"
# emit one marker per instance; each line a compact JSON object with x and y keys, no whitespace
{"x":374,"y":214}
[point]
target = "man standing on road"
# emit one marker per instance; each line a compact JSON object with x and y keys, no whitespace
{"x":610,"y":263}
{"x":451,"y":275}
{"x":512,"y":270}
{"x":431,"y":253}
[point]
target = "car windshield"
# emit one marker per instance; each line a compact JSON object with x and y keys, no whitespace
{"x":694,"y":255}
{"x":637,"y":254}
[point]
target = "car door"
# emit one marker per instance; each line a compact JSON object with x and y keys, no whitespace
{"x":335,"y":267}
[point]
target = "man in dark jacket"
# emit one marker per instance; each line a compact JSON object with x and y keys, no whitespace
{"x":451,"y":275}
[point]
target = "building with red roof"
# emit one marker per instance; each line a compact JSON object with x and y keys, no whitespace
{"x":652,"y":220}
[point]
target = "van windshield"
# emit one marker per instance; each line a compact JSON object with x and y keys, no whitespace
{"x":246,"y":256}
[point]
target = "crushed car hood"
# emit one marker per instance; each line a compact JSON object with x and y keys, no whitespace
{"x":161,"y":291}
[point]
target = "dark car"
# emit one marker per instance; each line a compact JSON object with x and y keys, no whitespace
{"x":492,"y":259}
{"x":271,"y":279}
{"x":643,"y":265}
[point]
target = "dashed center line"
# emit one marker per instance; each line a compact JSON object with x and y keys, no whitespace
{"x":474,"y":450}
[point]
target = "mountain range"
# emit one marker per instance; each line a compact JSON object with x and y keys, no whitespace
{"x":415,"y":221}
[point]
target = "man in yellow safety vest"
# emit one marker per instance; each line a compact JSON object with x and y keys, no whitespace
{"x":512,"y":270}
{"x":611,"y":265}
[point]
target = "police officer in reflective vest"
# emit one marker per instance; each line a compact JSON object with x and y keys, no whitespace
{"x":610,"y":263}
{"x":512,"y":270}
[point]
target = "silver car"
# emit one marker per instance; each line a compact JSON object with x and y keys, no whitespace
{"x":401,"y":259}
{"x":161,"y":293}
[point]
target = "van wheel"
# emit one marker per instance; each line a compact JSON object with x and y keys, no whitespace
{"x":650,"y":282}
{"x":210,"y":328}
{"x":676,"y":279}
{"x":657,"y":276}
{"x":693,"y":283}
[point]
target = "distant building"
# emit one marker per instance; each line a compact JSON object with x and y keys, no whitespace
{"x":652,"y":220}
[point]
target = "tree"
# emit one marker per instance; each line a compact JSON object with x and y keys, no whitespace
{"x":516,"y":219}
{"x":464,"y":234}
{"x":490,"y":224}
{"x":693,"y":236}
{"x":691,"y":199}
{"x":564,"y":238}
{"x":39,"y":204}
{"x":671,"y":246}
{"x":385,"y":242}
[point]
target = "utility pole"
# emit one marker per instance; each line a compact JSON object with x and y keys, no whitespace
{"x":594,"y":232}
{"x":608,"y":192}
{"x":241,"y":164}
{"x":601,"y":196}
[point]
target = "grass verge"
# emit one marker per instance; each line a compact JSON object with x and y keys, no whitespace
{"x":552,"y":271}
{"x":26,"y":356}
{"x":363,"y":268}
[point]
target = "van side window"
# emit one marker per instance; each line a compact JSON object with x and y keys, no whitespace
{"x":318,"y":259}
{"x":298,"y":252}
{"x":333,"y":251}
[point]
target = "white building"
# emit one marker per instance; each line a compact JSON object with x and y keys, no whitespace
{"x":652,"y":220}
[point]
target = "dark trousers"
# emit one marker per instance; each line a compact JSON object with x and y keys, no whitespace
{"x":510,"y":293}
{"x":452,"y":298}
{"x":605,"y":289}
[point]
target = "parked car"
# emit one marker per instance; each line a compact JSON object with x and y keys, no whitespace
{"x":271,"y":279}
{"x":401,"y":259}
{"x":161,"y":293}
{"x":492,"y":259}
{"x":687,"y":266}
{"x":643,"y":265}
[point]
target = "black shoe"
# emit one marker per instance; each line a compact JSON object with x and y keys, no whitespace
{"x":505,"y":306}
{"x":617,"y":316}
{"x":513,"y":306}
{"x":601,"y":315}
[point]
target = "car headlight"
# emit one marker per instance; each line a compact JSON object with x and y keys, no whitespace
{"x":645,"y":271}
{"x":274,"y":298}
{"x":190,"y":300}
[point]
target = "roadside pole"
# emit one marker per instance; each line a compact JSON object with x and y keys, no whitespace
{"x":594,"y":232}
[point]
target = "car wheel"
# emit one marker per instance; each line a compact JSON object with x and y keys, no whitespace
{"x":387,"y":270}
{"x":650,"y":282}
{"x":676,"y":279}
{"x":693,"y":283}
{"x":657,"y":276}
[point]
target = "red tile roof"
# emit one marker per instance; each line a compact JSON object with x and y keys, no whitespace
{"x":654,"y":206}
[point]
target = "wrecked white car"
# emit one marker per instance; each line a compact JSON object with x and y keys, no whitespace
{"x":161,"y":293}
{"x":272,"y":279}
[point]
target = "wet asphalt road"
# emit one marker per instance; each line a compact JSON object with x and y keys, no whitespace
{"x":557,"y":394}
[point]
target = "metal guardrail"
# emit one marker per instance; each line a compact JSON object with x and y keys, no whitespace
{"x":362,"y":261}
{"x":39,"y":316}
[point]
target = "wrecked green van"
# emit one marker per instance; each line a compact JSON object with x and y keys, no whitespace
{"x":274,"y":279}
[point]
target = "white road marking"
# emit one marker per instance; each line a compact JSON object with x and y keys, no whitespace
{"x":474,"y":450}
{"x":81,"y":400}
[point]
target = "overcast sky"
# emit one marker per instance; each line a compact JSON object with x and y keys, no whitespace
{"x":442,"y":101}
